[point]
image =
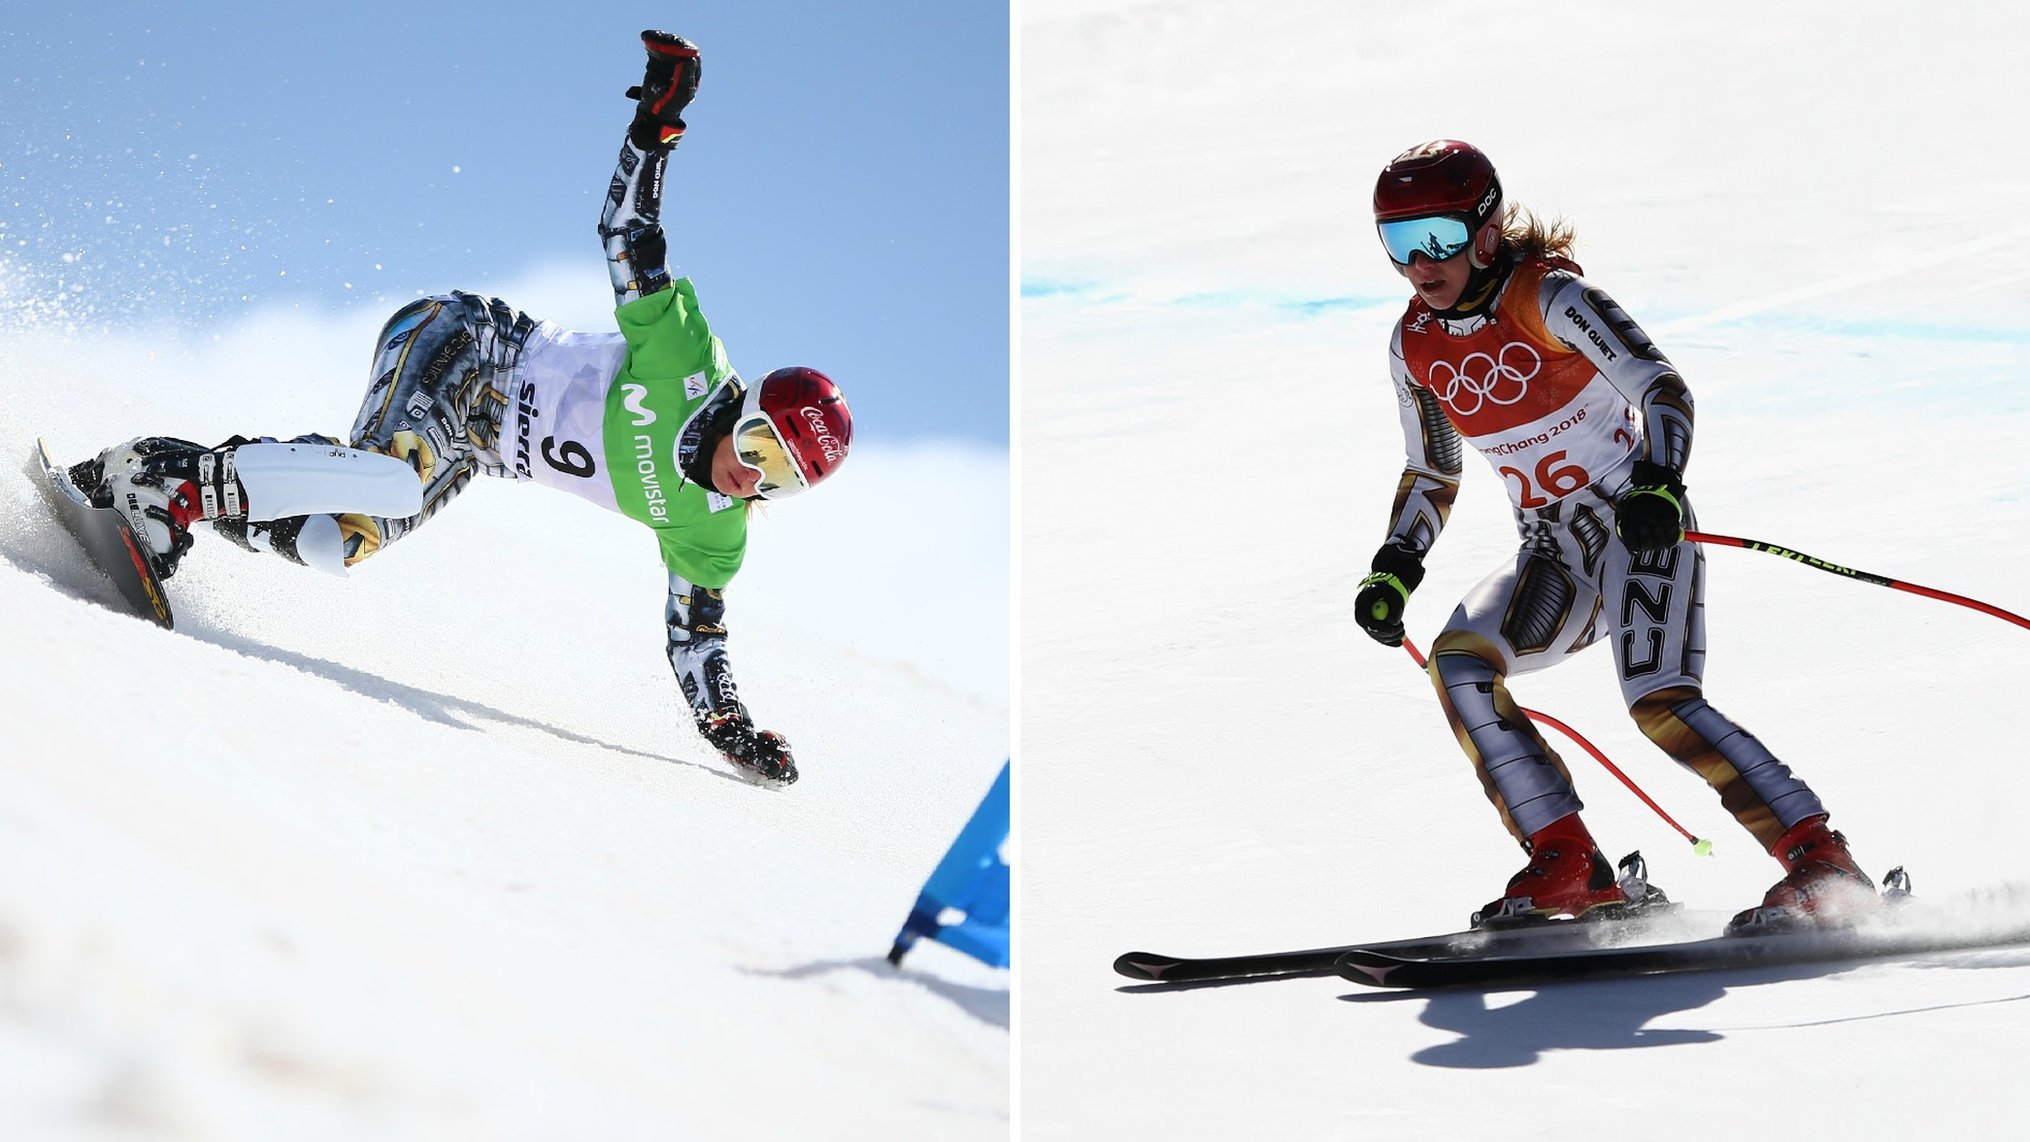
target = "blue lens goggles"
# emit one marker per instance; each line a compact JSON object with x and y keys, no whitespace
{"x":1437,"y":237}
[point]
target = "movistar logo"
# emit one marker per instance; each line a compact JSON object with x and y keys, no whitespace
{"x":651,"y":479}
{"x":635,"y":394}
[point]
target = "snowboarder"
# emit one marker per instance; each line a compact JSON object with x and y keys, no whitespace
{"x":650,"y":421}
{"x":1589,"y":426}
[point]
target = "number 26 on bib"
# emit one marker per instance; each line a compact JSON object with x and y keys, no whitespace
{"x":1555,"y":474}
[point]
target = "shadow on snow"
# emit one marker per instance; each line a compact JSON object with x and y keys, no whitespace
{"x":987,"y":1004}
{"x":1609,"y":1015}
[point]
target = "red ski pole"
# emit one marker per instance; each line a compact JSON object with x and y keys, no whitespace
{"x":1700,"y":845}
{"x":1863,"y":576}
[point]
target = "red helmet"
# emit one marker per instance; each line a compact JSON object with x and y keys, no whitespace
{"x":795,"y":429}
{"x":1434,"y":199}
{"x":1444,"y":176}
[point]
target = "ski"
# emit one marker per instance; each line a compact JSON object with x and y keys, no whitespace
{"x":1907,"y":932}
{"x":1650,"y":913}
{"x":1543,"y":935}
{"x":106,"y":537}
{"x":1153,"y":967}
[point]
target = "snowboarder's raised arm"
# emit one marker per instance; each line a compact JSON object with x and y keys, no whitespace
{"x":630,"y":226}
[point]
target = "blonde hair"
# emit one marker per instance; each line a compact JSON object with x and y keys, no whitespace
{"x":1528,"y":235}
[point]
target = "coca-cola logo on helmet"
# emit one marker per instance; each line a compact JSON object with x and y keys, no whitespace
{"x":821,"y":433}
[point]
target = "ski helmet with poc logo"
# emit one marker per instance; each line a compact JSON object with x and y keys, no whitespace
{"x":1433,"y":198}
{"x":794,"y":429}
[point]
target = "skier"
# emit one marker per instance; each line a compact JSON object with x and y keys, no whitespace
{"x":1589,"y":426}
{"x":650,"y":421}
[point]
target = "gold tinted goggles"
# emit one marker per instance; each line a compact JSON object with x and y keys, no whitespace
{"x":759,"y":446}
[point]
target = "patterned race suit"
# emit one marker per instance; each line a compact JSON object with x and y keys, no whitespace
{"x":1562,"y":393}
{"x":465,"y":385}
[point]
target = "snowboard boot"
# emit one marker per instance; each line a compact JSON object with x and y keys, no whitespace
{"x":764,"y":753}
{"x":1566,"y":877}
{"x":1823,"y":887}
{"x":163,"y":485}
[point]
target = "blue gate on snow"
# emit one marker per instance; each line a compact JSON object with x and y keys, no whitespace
{"x":965,"y":902}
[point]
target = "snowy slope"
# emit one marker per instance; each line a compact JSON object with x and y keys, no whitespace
{"x":1806,"y":208}
{"x":433,"y":852}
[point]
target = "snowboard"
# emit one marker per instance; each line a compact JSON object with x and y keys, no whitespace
{"x":106,"y":537}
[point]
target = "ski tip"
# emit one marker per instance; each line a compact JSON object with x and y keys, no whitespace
{"x":1144,"y":965}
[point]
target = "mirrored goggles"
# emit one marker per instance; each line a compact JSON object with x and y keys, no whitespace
{"x":1437,"y":237}
{"x":757,"y":444}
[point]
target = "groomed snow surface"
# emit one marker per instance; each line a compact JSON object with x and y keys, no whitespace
{"x":433,"y":852}
{"x":1809,"y":208}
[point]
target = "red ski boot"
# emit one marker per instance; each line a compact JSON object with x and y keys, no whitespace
{"x":1824,"y":888}
{"x":1567,"y":877}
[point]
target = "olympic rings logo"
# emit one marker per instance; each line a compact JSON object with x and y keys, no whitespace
{"x":1480,"y":379}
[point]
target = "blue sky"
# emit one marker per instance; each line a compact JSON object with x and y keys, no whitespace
{"x":841,"y":199}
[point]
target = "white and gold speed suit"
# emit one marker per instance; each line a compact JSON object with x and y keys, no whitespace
{"x":1562,"y":393}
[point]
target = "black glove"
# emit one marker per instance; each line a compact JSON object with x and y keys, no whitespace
{"x":666,"y":89}
{"x":1385,"y":594}
{"x":763,"y":751}
{"x":1651,"y":516}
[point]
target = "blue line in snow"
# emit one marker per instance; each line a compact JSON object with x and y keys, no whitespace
{"x":1040,"y":288}
{"x":1830,"y":325}
{"x":1822,"y":324}
{"x":1034,"y":288}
